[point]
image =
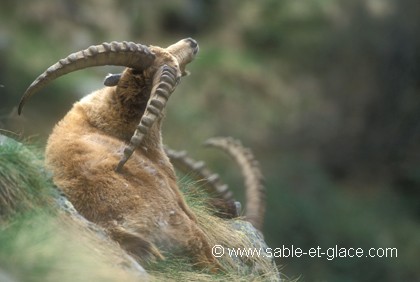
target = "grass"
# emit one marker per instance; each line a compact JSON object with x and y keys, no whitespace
{"x":24,"y":184}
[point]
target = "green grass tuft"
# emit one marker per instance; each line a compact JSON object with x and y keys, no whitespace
{"x":24,"y":184}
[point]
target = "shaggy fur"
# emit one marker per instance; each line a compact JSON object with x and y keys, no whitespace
{"x":141,"y":207}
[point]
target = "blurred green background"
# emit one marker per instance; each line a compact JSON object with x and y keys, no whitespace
{"x":326,"y":93}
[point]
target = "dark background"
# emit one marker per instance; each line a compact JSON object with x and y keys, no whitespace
{"x":325,"y":92}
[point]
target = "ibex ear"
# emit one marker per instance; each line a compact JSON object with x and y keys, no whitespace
{"x":112,"y":79}
{"x":164,"y":83}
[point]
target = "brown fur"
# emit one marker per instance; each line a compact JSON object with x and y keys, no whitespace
{"x":141,"y":207}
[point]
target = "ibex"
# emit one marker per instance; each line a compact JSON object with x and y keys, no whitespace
{"x":137,"y":201}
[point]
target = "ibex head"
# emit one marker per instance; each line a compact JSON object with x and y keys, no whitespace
{"x":166,"y":66}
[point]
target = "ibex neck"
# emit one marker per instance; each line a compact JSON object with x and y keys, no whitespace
{"x":118,"y":117}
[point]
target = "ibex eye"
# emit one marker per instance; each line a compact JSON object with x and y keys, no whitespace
{"x":136,"y":71}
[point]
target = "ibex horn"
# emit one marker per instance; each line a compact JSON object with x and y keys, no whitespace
{"x":128,"y":54}
{"x":164,"y":81}
{"x":254,"y":180}
{"x":200,"y":172}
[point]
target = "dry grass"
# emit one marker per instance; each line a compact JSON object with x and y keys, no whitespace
{"x":228,"y":233}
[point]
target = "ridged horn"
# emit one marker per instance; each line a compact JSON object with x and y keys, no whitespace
{"x":200,"y":173}
{"x":164,"y":81}
{"x":254,"y":180}
{"x":128,"y":54}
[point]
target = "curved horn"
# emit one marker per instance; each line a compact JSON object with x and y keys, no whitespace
{"x":199,"y":172}
{"x":228,"y":208}
{"x":255,"y":191}
{"x":128,"y":54}
{"x":164,"y":81}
